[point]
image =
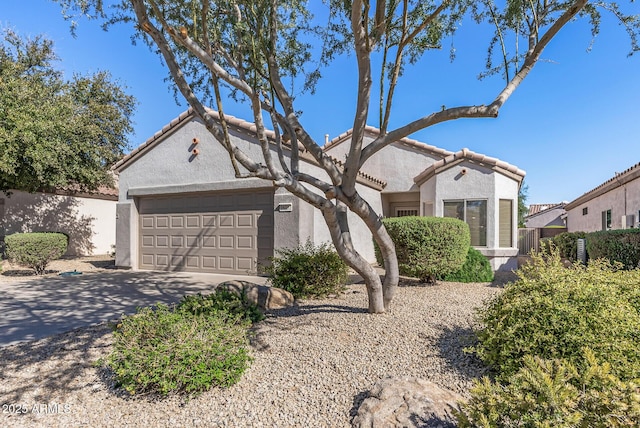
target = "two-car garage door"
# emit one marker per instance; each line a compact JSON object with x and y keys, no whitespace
{"x":222,"y":232}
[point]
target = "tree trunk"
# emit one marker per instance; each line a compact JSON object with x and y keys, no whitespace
{"x":336,"y":219}
{"x":390,"y":259}
{"x":387,"y":248}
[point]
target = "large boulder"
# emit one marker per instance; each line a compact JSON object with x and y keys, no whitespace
{"x":407,"y":402}
{"x":262,"y":295}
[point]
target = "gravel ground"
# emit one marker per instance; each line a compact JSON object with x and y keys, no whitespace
{"x":12,"y":272}
{"x":313,"y":364}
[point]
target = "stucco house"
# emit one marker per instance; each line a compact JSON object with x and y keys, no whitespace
{"x":546,"y":215}
{"x":614,"y":204}
{"x":88,"y":219}
{"x":185,"y":210}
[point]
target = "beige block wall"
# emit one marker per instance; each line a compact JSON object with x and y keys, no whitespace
{"x":89,"y":223}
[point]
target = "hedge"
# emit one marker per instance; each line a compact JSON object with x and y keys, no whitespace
{"x":35,"y":250}
{"x":616,"y":246}
{"x":428,"y":247}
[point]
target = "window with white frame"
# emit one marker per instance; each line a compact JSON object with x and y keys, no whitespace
{"x":474,"y":213}
{"x":606,"y":220}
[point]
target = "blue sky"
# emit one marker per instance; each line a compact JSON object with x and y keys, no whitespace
{"x":572,"y":124}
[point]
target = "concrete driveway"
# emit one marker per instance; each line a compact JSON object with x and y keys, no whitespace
{"x":41,"y":307}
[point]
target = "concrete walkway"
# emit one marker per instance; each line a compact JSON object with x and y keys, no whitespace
{"x":41,"y":307}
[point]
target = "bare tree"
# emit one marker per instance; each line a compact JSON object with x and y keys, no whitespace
{"x":253,"y":48}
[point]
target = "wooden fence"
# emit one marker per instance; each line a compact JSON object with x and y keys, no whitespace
{"x":529,"y":237}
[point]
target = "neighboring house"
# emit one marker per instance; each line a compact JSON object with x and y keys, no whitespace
{"x":88,"y":219}
{"x":545,"y":215}
{"x":180,"y":210}
{"x":615,"y":204}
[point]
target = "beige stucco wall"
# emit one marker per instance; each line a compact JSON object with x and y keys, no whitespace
{"x":170,"y":168}
{"x":613,"y":200}
{"x":89,"y":223}
{"x":397,"y":164}
{"x":550,"y":217}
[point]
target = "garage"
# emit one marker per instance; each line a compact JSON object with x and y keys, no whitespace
{"x":216,"y":232}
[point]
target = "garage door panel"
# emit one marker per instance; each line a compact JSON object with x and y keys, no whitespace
{"x":244,"y":242}
{"x":226,"y":263}
{"x":209,"y":241}
{"x":177,"y":261}
{"x":221,"y":232}
{"x":148,"y":260}
{"x":245,"y":220}
{"x":209,"y":220}
{"x":226,"y":242}
{"x":162,"y":222}
{"x":209,"y":262}
{"x":226,"y":220}
{"x":245,"y":263}
{"x":193,"y":262}
{"x":193,"y":221}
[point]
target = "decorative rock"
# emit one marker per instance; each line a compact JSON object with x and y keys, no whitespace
{"x":407,"y":402}
{"x":264,"y":296}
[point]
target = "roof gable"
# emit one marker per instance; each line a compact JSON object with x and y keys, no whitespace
{"x":538,"y":209}
{"x":494,"y":164}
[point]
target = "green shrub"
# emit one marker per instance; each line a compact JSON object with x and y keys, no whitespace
{"x":567,"y":244}
{"x":428,"y":247}
{"x":476,"y":268}
{"x":221,"y":300}
{"x":35,"y":250}
{"x":616,"y":246}
{"x":308,"y":271}
{"x":160,"y":351}
{"x":555,"y":312}
{"x":553,"y":393}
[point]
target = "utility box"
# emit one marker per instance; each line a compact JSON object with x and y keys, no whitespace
{"x":628,"y":221}
{"x":582,"y":251}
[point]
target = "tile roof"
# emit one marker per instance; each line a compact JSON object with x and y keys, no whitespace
{"x":537,"y":208}
{"x":102,"y":192}
{"x":476,"y":158}
{"x":616,"y":181}
{"x":345,"y":136}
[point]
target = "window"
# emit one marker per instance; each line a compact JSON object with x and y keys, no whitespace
{"x":606,"y":220}
{"x":585,"y":211}
{"x":474,"y":213}
{"x":505,"y":219}
{"x":404,"y":212}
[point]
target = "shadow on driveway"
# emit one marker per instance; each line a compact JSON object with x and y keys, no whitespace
{"x":45,"y":306}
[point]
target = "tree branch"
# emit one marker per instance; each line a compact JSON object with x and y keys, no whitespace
{"x":352,"y":164}
{"x":255,"y":169}
{"x":477,"y":111}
